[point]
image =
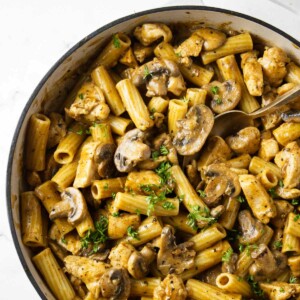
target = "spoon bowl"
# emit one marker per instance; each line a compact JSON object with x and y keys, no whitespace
{"x":232,"y":121}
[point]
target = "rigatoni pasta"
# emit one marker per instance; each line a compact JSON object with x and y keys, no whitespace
{"x":138,"y":201}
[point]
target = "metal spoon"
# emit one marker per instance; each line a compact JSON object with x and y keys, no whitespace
{"x":232,"y":121}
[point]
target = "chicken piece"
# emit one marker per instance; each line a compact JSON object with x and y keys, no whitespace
{"x":274,"y":63}
{"x":171,"y":288}
{"x":89,"y":105}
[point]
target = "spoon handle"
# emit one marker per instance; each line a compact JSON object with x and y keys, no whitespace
{"x":281,"y":100}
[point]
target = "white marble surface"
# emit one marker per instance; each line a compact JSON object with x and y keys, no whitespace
{"x":34,"y":35}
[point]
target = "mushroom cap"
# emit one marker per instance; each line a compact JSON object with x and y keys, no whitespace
{"x":115,"y":284}
{"x":225,"y":96}
{"x":213,"y":38}
{"x":131,"y":151}
{"x":137,"y":265}
{"x":73,"y":206}
{"x":104,"y":157}
{"x":193,"y":130}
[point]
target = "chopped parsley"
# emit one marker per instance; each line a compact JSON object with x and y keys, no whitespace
{"x":181,"y":198}
{"x":163,"y":150}
{"x":241,"y":199}
{"x":113,"y":195}
{"x":255,"y":287}
{"x":116,"y":214}
{"x":147,"y":73}
{"x":215,"y":90}
{"x":272,"y":192}
{"x":116,"y":41}
{"x":81,"y":96}
{"x":133,"y":233}
{"x":96,"y":237}
{"x":199,"y":214}
{"x":163,"y":172}
{"x":202,"y":193}
{"x":295,"y":202}
{"x":105,"y":187}
{"x":280,"y":183}
{"x":281,"y":290}
{"x":138,"y":212}
{"x":153,"y":199}
{"x":218,"y":101}
{"x":227,"y":255}
{"x":80,"y":132}
{"x":278,"y":245}
{"x":293,"y":279}
{"x":63,"y":240}
{"x":297,"y":218}
{"x":155,"y":155}
{"x":178,"y":54}
{"x":168,"y":205}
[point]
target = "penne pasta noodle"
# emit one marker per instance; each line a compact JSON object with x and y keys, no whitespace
{"x":102,"y":133}
{"x":158,"y":104}
{"x":195,"y":96}
{"x":228,"y":217}
{"x":177,"y":111}
{"x":258,"y":165}
{"x":144,"y":287}
{"x":119,"y":125}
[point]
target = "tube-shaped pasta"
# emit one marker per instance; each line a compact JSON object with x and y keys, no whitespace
{"x":244,"y":262}
{"x":208,"y":237}
{"x":294,"y":264}
{"x":195,"y":96}
{"x":118,"y":225}
{"x":194,"y":73}
{"x":235,"y":44}
{"x":49,"y":196}
{"x":268,"y":149}
{"x":230,"y":70}
{"x":104,"y":188}
{"x":102,"y":133}
{"x":158,"y":104}
{"x":267,"y":179}
{"x":68,"y":146}
{"x":65,"y":176}
{"x":185,"y":191}
{"x":116,"y":47}
{"x":34,"y":226}
{"x":180,"y":222}
{"x":54,"y":275}
{"x":266,"y":236}
{"x":206,"y":259}
{"x":149,"y":229}
{"x":85,"y":225}
{"x":292,"y":225}
{"x":143,"y":287}
{"x":228,"y":217}
{"x":293,"y":73}
{"x":257,"y":165}
{"x":260,"y":202}
{"x":239,"y":162}
{"x":199,"y":290}
{"x":177,"y":111}
{"x":290,"y":243}
{"x":36,"y":142}
{"x":286,"y":133}
{"x":119,"y":125}
{"x":139,"y":203}
{"x":102,"y":78}
{"x":233,"y":284}
{"x":134,"y":104}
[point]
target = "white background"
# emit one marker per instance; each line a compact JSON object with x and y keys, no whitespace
{"x":34,"y":34}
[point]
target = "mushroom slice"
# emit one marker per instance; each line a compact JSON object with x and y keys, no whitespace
{"x":213,"y":38}
{"x":193,"y":130}
{"x":252,"y":229}
{"x":171,"y":288}
{"x":215,"y":189}
{"x":233,"y":187}
{"x":151,"y":32}
{"x":287,"y":193}
{"x":115,"y":284}
{"x":72,"y":206}
{"x":283,"y":208}
{"x":57,"y":130}
{"x":89,"y":104}
{"x":288,"y":159}
{"x":131,"y":150}
{"x":104,"y":157}
{"x":173,"y":258}
{"x":225,"y":96}
{"x":246,"y":141}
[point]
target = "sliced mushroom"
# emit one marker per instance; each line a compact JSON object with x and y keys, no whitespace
{"x":160,"y":76}
{"x":173,"y":258}
{"x":283,"y":208}
{"x":209,"y":276}
{"x":267,"y":265}
{"x":230,"y":265}
{"x":115,"y":284}
{"x":290,"y":116}
{"x":171,"y":288}
{"x":89,"y":105}
{"x":274,"y":63}
{"x":104,"y":157}
{"x":287,"y":193}
{"x":131,"y":151}
{"x":151,"y":32}
{"x":139,"y":262}
{"x":288,"y":159}
{"x":193,"y":130}
{"x":225,"y":96}
{"x":72,"y":206}
{"x":220,"y":180}
{"x":213,"y":38}
{"x":251,"y":228}
{"x":246,"y":141}
{"x":57,"y":130}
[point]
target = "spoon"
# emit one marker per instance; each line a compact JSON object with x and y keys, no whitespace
{"x":232,"y":121}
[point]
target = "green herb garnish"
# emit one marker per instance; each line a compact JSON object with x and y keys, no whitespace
{"x":281,"y":290}
{"x":138,"y":212}
{"x":113,"y":195}
{"x":297,"y":217}
{"x":116,"y":214}
{"x":215,"y":90}
{"x":293,"y":279}
{"x":241,"y":199}
{"x":63,"y":240}
{"x":255,"y":287}
{"x":155,"y":155}
{"x":168,"y":205}
{"x":295,"y":202}
{"x":218,"y":101}
{"x":96,"y":237}
{"x":105,"y":187}
{"x":280,"y":183}
{"x":147,"y":73}
{"x":163,"y":172}
{"x":132,"y":232}
{"x":272,"y":193}
{"x":202,"y":193}
{"x":116,"y":41}
{"x":163,"y":150}
{"x":81,"y":96}
{"x":278,"y":245}
{"x":199,"y":214}
{"x":227,"y":255}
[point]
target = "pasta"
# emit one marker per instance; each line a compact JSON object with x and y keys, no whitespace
{"x":131,"y":198}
